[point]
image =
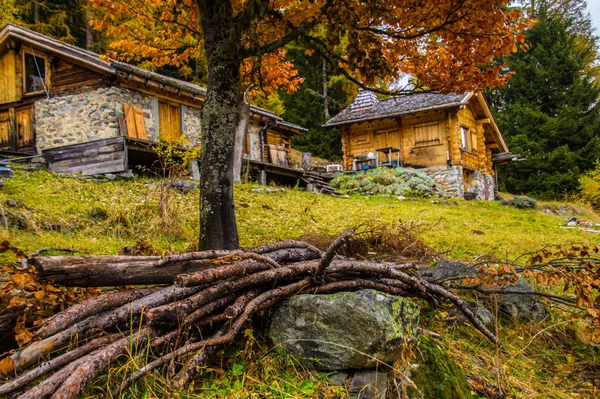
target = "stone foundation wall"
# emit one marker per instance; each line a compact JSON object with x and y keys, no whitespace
{"x":448,"y":178}
{"x":93,"y":115}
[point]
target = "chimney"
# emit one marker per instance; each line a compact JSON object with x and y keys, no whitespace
{"x":364,"y":99}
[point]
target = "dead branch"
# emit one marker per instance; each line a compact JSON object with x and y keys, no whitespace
{"x":329,"y":254}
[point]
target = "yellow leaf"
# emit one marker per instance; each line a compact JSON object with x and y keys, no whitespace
{"x":23,"y":338}
{"x":6,"y":365}
{"x":39,"y":295}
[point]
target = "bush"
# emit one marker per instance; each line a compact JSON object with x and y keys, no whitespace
{"x":521,"y":203}
{"x":589,"y":184}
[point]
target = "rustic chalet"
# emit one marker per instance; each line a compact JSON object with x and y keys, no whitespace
{"x":89,"y":115}
{"x":453,"y":138}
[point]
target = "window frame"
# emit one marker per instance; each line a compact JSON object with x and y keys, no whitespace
{"x":45,"y":85}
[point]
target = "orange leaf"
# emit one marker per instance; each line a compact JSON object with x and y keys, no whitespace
{"x":39,"y":295}
{"x":6,"y":366}
{"x":23,"y":338}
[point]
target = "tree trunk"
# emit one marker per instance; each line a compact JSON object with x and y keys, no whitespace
{"x":325,"y":95}
{"x":89,"y":34}
{"x":218,"y":228}
{"x":243,"y":117}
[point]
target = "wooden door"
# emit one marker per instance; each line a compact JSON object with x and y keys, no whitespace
{"x":24,"y":124}
{"x":5,"y":131}
{"x":381,"y":140}
{"x":169,"y":121}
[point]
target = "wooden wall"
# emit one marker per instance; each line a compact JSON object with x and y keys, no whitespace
{"x":91,"y":158}
{"x":8,"y":77}
{"x":402,"y":133}
{"x":426,"y":139}
{"x":69,"y":77}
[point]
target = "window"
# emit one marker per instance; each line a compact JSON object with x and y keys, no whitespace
{"x":427,"y":134}
{"x":169,"y":120}
{"x":468,"y":139}
{"x":35,"y":73}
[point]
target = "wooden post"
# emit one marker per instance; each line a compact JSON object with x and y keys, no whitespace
{"x":306,"y":161}
{"x":262,"y":177}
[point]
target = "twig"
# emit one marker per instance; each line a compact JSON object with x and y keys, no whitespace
{"x":329,"y":254}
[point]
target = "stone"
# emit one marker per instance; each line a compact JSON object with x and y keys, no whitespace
{"x":401,"y":197}
{"x":349,"y":330}
{"x":521,"y":306}
{"x":256,"y":190}
{"x":14,"y":203}
{"x":368,"y":384}
{"x":184,"y":186}
{"x":484,"y":315}
{"x":445,"y":270}
{"x":339,"y":378}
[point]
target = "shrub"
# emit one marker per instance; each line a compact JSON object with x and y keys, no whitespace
{"x":589,"y":184}
{"x":521,"y":203}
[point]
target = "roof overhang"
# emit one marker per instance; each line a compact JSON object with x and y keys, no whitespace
{"x":464,"y":101}
{"x":502,"y":147}
{"x":68,"y":51}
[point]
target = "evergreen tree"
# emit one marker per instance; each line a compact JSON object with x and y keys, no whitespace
{"x":548,"y":111}
{"x":307,"y":106}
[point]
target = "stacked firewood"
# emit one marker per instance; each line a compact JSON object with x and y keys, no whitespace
{"x":209,"y":297}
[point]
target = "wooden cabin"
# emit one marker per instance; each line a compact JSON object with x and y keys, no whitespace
{"x":80,"y":110}
{"x":451,"y":137}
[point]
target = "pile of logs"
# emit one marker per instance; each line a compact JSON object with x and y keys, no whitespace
{"x":206,"y":299}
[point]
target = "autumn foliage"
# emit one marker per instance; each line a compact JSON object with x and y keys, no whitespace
{"x":446,"y":45}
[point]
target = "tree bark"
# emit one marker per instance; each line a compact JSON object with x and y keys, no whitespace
{"x":243,"y":118}
{"x":218,"y":228}
{"x":112,"y":271}
{"x":325,"y":94}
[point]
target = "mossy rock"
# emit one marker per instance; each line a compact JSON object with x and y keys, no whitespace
{"x":437,"y":375}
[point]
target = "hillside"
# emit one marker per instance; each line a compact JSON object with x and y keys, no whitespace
{"x":547,"y":360}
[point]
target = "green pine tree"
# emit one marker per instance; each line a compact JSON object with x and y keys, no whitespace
{"x":306,"y":106}
{"x":548,"y":111}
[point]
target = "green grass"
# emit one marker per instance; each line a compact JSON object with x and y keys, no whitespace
{"x":551,"y":364}
{"x":58,"y":212}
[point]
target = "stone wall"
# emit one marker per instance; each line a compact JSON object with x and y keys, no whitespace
{"x":192,"y":124}
{"x":448,"y":178}
{"x":93,"y":115}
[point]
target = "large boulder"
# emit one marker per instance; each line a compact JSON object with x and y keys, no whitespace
{"x":521,"y":305}
{"x":348,"y":330}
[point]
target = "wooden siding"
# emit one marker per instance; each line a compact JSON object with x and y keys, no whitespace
{"x":5,"y":130}
{"x":273,"y":137}
{"x":478,"y":156}
{"x":405,"y":133}
{"x":68,"y":77}
{"x":93,"y":157}
{"x":8,"y":78}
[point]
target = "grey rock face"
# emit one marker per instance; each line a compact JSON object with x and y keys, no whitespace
{"x":349,"y":330}
{"x":445,"y":270}
{"x":521,"y":306}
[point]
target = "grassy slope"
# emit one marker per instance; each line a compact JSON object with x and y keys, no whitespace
{"x":549,"y":364}
{"x":59,"y":213}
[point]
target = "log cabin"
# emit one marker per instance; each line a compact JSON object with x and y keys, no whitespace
{"x":91,"y":115}
{"x":451,"y":137}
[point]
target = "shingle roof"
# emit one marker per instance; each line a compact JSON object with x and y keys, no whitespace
{"x":395,"y":106}
{"x":112,"y":66}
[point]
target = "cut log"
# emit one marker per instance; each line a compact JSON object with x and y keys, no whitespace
{"x":103,"y":271}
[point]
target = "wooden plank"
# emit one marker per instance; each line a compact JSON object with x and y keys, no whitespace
{"x":75,"y":150}
{"x":85,"y":161}
{"x":116,"y":166}
{"x":130,"y":120}
{"x":25,"y":133}
{"x":140,"y":125}
{"x":169,"y":121}
{"x":4,"y":130}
